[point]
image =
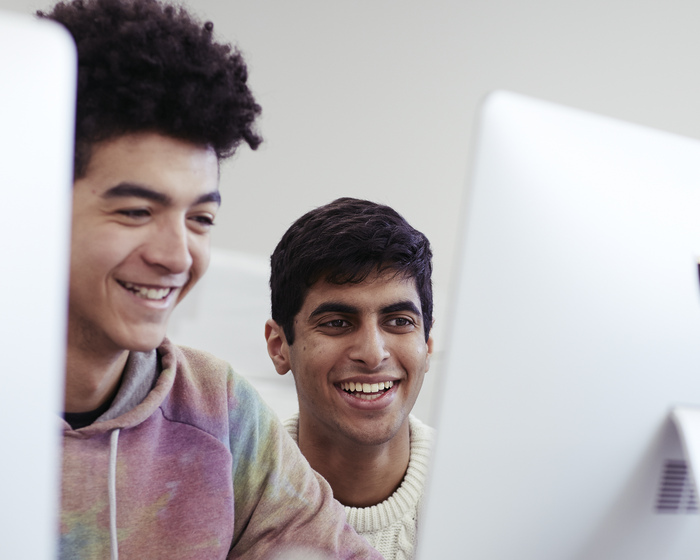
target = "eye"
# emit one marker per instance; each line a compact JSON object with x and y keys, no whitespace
{"x":203,"y":222}
{"x":134,"y":213}
{"x":334,"y":327}
{"x":401,"y":324}
{"x":336,"y":324}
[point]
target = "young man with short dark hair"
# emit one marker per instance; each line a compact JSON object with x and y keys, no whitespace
{"x":167,"y":453}
{"x":352,"y":312}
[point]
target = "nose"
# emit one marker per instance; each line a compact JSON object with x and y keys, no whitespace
{"x":369,"y":346}
{"x":168,"y":247}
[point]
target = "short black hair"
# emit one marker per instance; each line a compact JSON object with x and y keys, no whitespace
{"x":344,"y":242}
{"x":147,"y":66}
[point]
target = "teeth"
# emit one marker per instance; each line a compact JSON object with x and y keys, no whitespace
{"x":147,"y":293}
{"x":366,"y":391}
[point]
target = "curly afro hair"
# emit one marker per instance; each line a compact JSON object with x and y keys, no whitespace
{"x":148,"y":66}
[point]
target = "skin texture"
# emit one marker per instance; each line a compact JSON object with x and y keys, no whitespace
{"x":367,"y":333}
{"x":142,"y":215}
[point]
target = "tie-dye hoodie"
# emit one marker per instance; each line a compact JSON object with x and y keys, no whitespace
{"x":199,"y":468}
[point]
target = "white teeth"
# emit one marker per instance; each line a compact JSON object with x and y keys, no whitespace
{"x":366,"y":391}
{"x":147,"y":293}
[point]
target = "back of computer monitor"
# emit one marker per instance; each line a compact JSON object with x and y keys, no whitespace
{"x":37,"y":101}
{"x":575,"y":330}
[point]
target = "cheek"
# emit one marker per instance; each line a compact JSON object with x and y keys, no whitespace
{"x":93,"y":254}
{"x":309,"y":360}
{"x":200,"y":251}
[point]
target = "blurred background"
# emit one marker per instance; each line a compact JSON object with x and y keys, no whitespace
{"x":378,"y":99}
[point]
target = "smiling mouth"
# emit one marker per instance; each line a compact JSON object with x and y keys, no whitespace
{"x":366,"y":391}
{"x":145,"y":292}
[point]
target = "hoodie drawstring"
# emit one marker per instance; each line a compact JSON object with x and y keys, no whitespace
{"x":112,"y":483}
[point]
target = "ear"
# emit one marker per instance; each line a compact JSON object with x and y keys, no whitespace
{"x":277,"y":346}
{"x":429,"y":344}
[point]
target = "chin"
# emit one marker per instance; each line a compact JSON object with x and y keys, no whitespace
{"x":144,"y":342}
{"x":372,"y":437}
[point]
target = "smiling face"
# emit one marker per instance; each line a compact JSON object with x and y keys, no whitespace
{"x":358,"y":359}
{"x":140,"y":239}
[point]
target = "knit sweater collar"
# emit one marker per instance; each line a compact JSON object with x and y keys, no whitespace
{"x":406,"y":497}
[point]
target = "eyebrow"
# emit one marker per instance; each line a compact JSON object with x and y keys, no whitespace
{"x":405,"y":305}
{"x":333,"y":307}
{"x":338,"y":307}
{"x":126,"y":190}
{"x":213,"y":196}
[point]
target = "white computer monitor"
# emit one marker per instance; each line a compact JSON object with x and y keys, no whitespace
{"x":574,"y":332}
{"x":37,"y":103}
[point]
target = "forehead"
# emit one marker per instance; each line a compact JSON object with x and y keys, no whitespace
{"x":374,"y":293}
{"x":153,"y":160}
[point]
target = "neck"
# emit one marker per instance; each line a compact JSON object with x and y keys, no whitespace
{"x":360,"y":475}
{"x":91,"y":379}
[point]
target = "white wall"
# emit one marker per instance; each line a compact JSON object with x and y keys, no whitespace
{"x":376,"y":98}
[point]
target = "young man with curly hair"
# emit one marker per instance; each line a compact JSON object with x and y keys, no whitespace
{"x":352,"y":310}
{"x":167,"y":453}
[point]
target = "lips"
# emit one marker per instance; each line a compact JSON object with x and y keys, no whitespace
{"x":147,"y":292}
{"x":366,"y":391}
{"x":352,"y":387}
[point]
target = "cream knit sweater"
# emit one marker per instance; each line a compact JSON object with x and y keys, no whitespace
{"x":391,"y":526}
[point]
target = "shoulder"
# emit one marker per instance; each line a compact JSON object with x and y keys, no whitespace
{"x":205,"y":373}
{"x":208,"y":394}
{"x":190,"y":361}
{"x":199,"y":377}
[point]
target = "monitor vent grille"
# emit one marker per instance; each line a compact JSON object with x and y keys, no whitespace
{"x":676,"y":491}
